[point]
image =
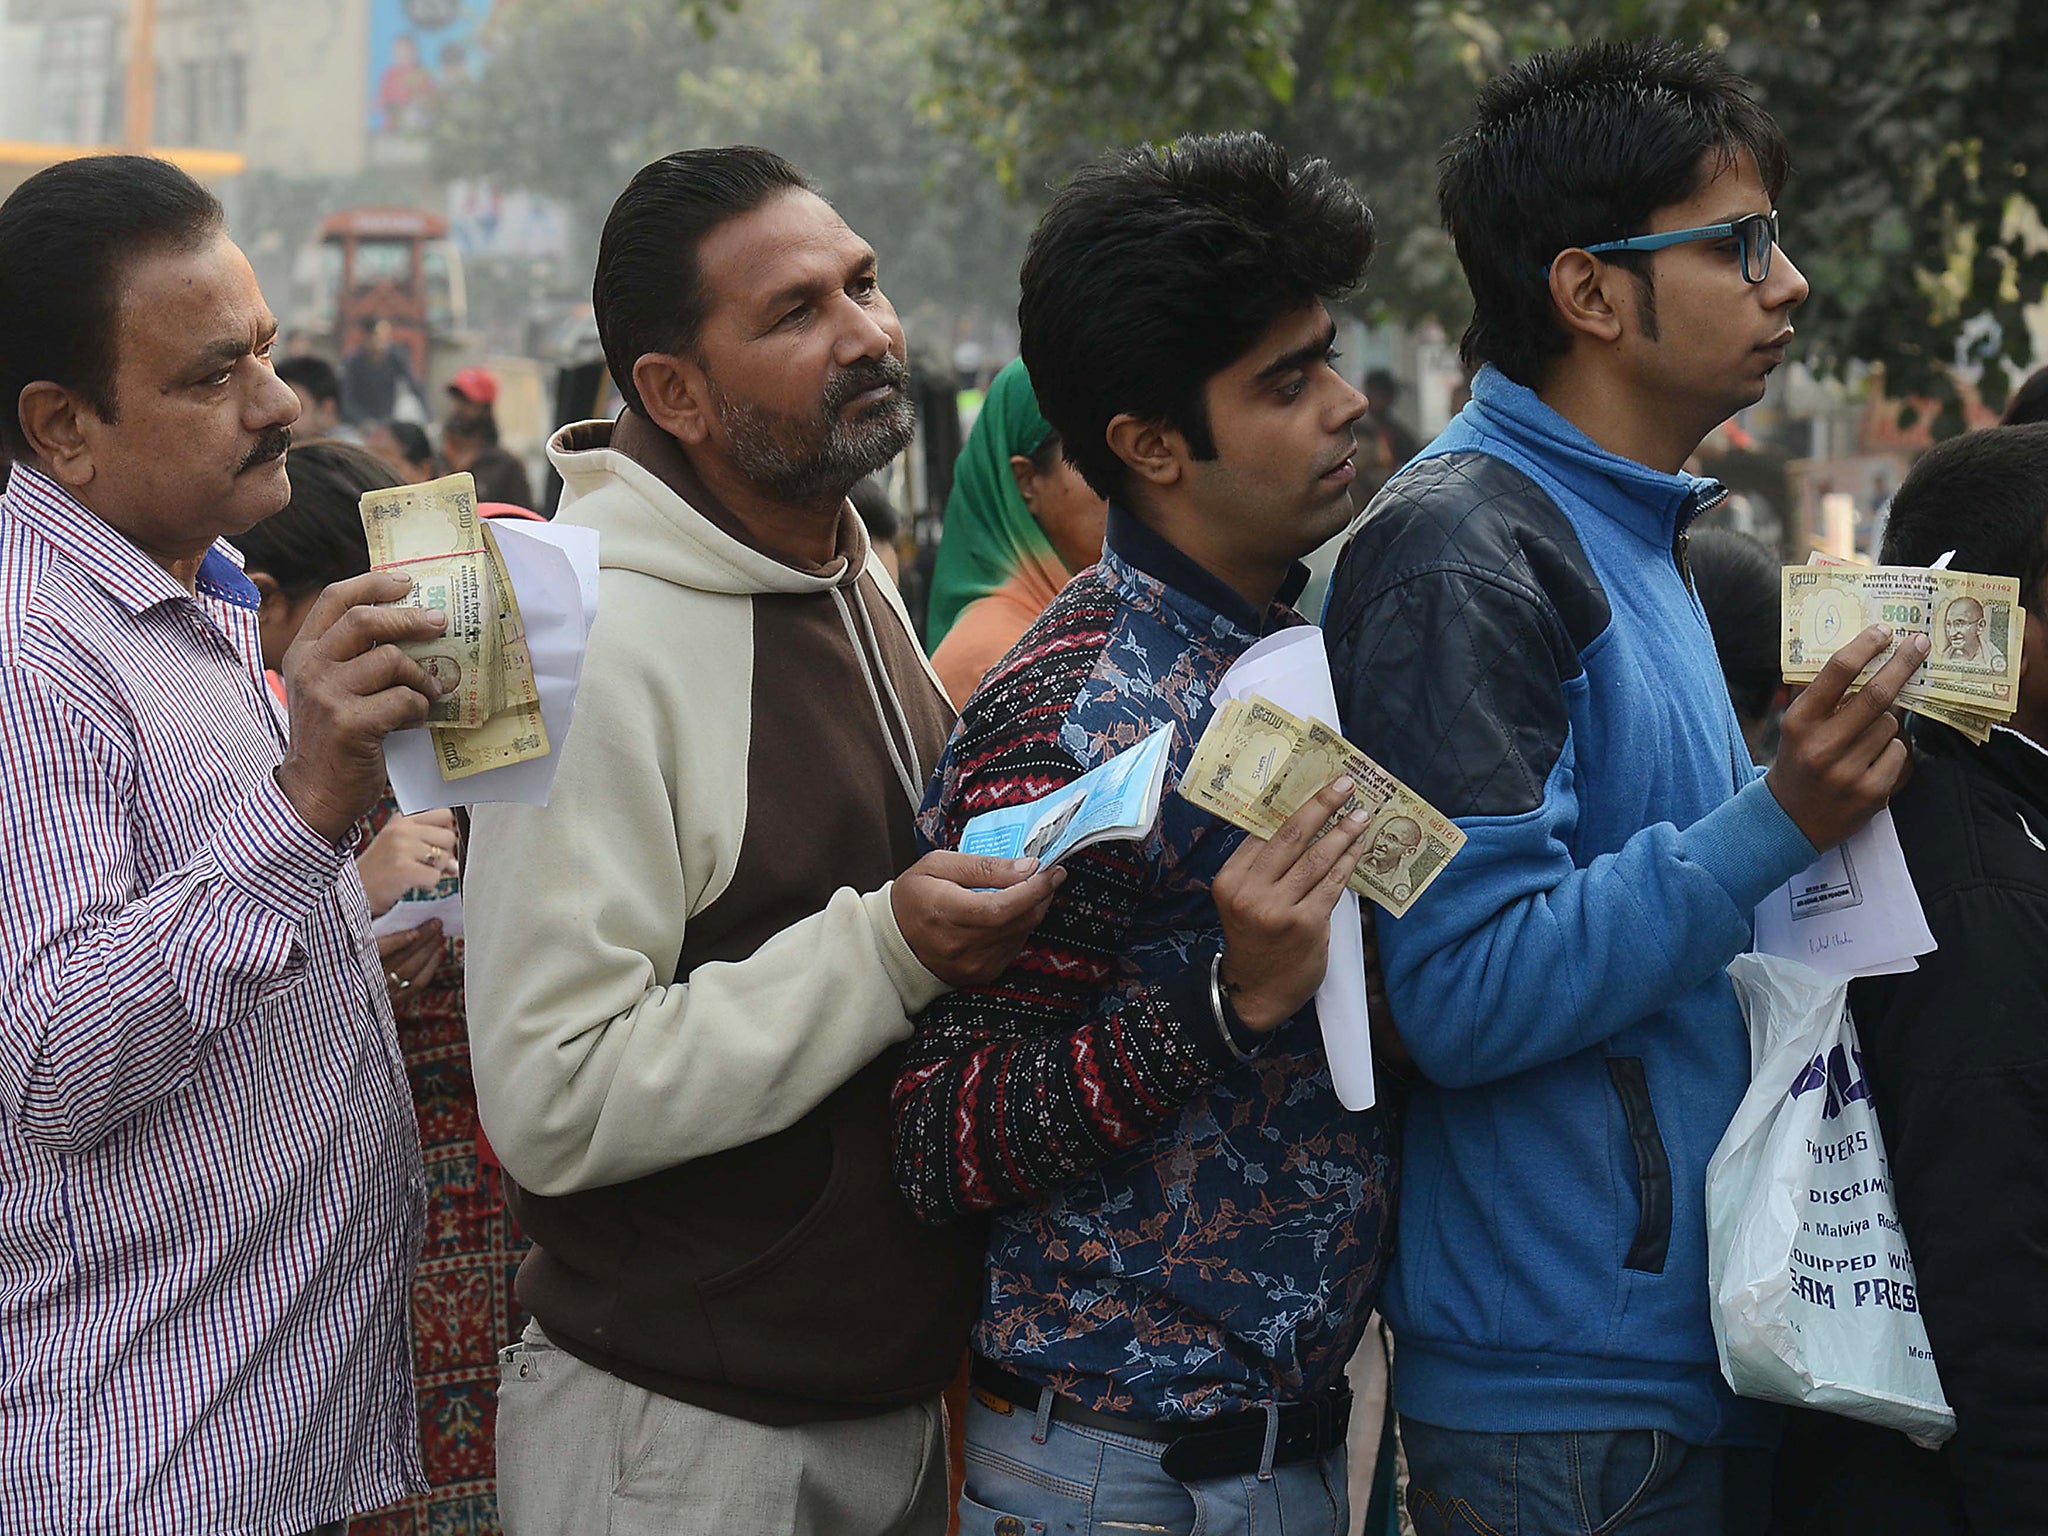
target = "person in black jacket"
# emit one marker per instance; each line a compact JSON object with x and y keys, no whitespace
{"x":1956,"y":1053}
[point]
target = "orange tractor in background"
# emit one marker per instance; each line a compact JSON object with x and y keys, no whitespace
{"x":394,"y":264}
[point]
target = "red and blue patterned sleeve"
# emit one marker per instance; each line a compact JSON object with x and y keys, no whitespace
{"x":1010,"y":1090}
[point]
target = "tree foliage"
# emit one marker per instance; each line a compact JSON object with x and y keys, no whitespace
{"x":1377,"y":86}
{"x":577,"y":94}
{"x":1918,"y":157}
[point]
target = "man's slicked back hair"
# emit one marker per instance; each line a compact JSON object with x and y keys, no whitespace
{"x":1579,"y":146}
{"x":67,"y":238}
{"x":1153,"y":270}
{"x":649,"y":293}
{"x":1985,"y":496}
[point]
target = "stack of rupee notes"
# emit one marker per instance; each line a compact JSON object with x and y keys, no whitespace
{"x":1257,"y":764}
{"x":1970,"y":679}
{"x":488,"y":715}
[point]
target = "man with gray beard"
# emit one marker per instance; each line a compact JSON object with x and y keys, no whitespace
{"x":688,"y":973}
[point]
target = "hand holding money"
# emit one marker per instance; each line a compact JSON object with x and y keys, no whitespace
{"x":1257,"y":764}
{"x":432,"y":534}
{"x":1969,"y":678}
{"x":350,"y":684}
{"x":1275,"y":895}
{"x":1841,"y":757}
{"x":488,"y":713}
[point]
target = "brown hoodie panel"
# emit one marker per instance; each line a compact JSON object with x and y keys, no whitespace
{"x":931,"y":714}
{"x":826,"y":806}
{"x":785,"y":1280}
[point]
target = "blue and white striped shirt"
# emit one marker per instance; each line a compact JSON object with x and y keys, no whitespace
{"x":210,"y":1185}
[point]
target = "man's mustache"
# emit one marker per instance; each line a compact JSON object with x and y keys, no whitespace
{"x":861,"y":377}
{"x":271,"y":445}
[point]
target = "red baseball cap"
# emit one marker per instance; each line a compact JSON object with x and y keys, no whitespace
{"x":479,"y":386}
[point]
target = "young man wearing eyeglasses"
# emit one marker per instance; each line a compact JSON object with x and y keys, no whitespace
{"x":1516,"y":635}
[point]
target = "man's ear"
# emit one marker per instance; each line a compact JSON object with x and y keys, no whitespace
{"x":1157,"y":455}
{"x":266,"y":587}
{"x":50,"y":418}
{"x":1586,"y":294}
{"x":675,"y":393}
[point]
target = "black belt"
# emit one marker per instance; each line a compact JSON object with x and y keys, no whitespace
{"x":1229,"y":1445}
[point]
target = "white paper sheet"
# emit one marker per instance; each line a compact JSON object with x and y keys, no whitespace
{"x":1852,"y":912}
{"x":408,"y":912}
{"x":553,"y":567}
{"x":1292,"y":668}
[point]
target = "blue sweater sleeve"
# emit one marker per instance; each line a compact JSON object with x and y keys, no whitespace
{"x":1460,"y":684}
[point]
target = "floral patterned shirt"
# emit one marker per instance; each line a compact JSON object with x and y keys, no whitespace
{"x":1176,"y":1232}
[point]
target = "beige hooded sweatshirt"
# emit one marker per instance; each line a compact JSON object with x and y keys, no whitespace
{"x":684,"y":971}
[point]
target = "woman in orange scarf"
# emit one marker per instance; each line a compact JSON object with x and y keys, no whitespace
{"x":1020,"y":523}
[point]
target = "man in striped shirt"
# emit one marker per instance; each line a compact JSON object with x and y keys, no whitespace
{"x":210,"y":1185}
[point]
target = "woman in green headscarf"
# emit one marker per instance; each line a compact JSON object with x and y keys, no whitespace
{"x":1020,"y":522}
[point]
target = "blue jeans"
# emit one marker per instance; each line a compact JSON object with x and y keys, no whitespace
{"x":1085,"y":1481}
{"x":1640,"y":1481}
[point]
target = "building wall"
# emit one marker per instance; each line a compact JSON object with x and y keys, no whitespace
{"x":60,"y":70}
{"x":18,"y":100}
{"x":281,"y":81}
{"x":310,"y":65}
{"x":203,"y":78}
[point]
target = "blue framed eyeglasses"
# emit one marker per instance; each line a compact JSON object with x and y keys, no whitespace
{"x":1755,"y":234}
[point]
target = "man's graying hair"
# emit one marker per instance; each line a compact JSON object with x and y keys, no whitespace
{"x":67,"y":238}
{"x":649,"y":293}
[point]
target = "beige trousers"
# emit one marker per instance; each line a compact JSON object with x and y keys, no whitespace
{"x":582,"y":1453}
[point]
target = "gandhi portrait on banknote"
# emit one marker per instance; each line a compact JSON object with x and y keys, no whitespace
{"x":1966,"y":639}
{"x":1393,"y":841}
{"x":443,"y":669}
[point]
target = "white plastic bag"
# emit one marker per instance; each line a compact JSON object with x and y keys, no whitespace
{"x":1814,"y":1299}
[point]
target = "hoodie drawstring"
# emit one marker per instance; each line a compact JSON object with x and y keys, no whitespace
{"x":913,"y":789}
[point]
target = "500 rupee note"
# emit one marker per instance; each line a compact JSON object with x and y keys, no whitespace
{"x":1240,"y":757}
{"x":515,"y":659}
{"x":1973,"y":623}
{"x":1976,"y":728}
{"x":433,"y":535}
{"x":1257,"y":765}
{"x":516,"y":733}
{"x":1408,"y":841}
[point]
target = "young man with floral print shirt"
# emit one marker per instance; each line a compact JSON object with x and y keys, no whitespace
{"x":1189,"y":1229}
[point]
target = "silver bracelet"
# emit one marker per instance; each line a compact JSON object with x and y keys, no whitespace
{"x":1216,"y":1007}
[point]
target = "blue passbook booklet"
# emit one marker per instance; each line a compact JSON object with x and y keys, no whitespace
{"x":1118,"y":799}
